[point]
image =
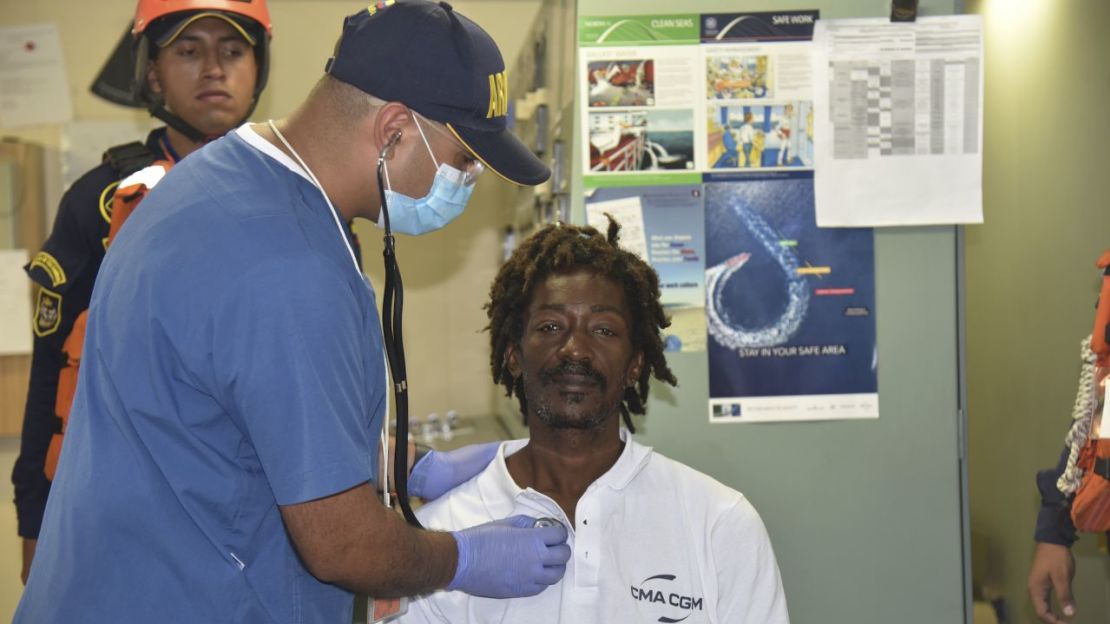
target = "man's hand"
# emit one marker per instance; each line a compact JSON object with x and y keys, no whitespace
{"x":1052,"y":570}
{"x":510,"y":559}
{"x":438,"y":472}
{"x":29,"y":545}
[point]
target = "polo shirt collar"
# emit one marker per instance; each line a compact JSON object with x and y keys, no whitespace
{"x":499,"y":492}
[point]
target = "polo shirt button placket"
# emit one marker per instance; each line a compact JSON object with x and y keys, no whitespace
{"x":587,"y":542}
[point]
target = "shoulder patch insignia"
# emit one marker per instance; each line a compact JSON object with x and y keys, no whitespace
{"x":48,"y":313}
{"x":106,"y":201}
{"x":53,"y":268}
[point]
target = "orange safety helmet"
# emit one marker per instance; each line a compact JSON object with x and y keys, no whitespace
{"x":149,"y":10}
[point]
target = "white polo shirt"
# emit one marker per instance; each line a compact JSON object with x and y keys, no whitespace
{"x":653,"y":541}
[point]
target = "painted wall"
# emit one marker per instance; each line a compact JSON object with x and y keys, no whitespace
{"x":1031,"y":282}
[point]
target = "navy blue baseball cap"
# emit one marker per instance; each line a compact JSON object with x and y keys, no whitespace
{"x":445,"y":67}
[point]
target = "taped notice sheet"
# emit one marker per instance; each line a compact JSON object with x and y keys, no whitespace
{"x":898,"y":121}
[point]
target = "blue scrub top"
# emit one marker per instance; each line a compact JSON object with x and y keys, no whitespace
{"x":233,"y":363}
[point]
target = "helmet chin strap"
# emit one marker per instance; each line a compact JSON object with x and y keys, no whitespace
{"x":160,"y":111}
{"x":178,"y":124}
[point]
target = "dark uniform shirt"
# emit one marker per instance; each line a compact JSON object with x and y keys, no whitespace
{"x":1054,"y":523}
{"x":64,"y":270}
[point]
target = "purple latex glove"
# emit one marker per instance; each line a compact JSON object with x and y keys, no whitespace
{"x":439,"y":471}
{"x":509,"y":558}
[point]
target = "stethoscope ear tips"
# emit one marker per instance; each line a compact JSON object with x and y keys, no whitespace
{"x":388,"y":147}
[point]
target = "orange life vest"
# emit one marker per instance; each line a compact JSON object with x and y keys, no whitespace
{"x":1090,"y":510}
{"x":129,"y":194}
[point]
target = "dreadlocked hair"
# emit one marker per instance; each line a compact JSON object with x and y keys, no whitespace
{"x":560,"y":249}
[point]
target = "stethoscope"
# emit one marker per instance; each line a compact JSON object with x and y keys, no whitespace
{"x":393,"y":304}
{"x":393,"y":301}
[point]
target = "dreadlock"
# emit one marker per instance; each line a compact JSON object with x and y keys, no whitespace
{"x":560,"y":249}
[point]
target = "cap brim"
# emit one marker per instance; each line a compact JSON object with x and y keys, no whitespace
{"x":175,"y":31}
{"x":502,"y":153}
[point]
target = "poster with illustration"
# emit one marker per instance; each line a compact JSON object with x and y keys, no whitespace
{"x":642,"y":140}
{"x":790,"y":307}
{"x":760,"y":136}
{"x":664,"y":226}
{"x":639,"y":77}
{"x":758,"y":90}
{"x":621,"y":82}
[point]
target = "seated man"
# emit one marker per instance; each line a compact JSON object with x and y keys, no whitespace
{"x":575,"y":328}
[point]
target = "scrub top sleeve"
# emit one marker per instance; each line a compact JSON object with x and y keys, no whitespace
{"x":748,"y":580}
{"x":289,"y":352}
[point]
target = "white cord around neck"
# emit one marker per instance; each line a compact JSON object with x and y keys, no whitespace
{"x":1082,"y":414}
{"x":383,"y":478}
{"x":316,"y":181}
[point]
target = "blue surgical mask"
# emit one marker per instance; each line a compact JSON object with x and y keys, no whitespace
{"x":445,"y":201}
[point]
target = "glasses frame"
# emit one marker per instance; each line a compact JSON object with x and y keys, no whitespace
{"x":475,"y":168}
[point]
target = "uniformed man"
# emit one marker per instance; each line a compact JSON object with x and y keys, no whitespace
{"x":1080,"y":467}
{"x":198,"y":65}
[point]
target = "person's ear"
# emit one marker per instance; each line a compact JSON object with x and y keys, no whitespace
{"x":389,"y":125}
{"x":512,"y":360}
{"x":634,"y":369}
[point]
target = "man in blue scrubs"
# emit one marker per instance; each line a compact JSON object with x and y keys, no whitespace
{"x":225,"y":430}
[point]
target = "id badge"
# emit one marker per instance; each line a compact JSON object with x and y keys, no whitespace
{"x":385,"y":609}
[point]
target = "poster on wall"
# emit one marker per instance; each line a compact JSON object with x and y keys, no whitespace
{"x":33,"y":85}
{"x":664,"y":226}
{"x":758,"y":90}
{"x":639,"y":76}
{"x":790,"y":307}
{"x":699,"y":138}
{"x":898,"y":111}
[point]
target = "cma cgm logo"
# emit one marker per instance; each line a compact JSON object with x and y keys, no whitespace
{"x":657,"y":590}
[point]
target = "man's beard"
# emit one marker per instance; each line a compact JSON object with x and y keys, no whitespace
{"x":553,"y":416}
